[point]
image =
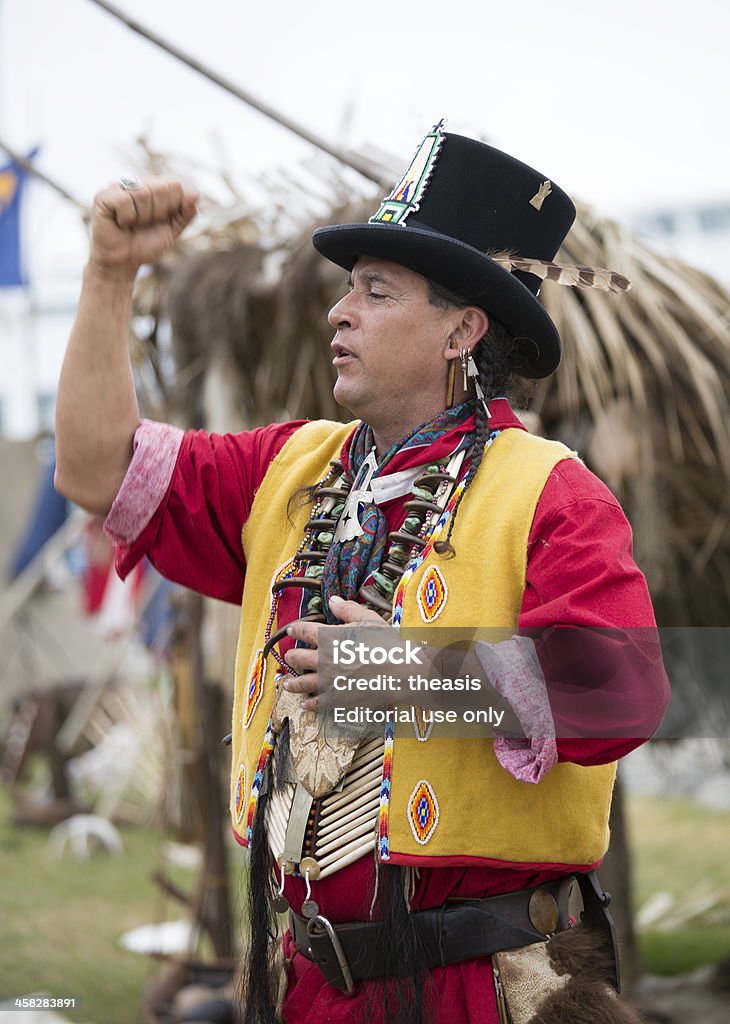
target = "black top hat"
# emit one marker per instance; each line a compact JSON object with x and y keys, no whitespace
{"x":464,"y":201}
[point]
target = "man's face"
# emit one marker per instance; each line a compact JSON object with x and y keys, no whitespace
{"x":389,"y":347}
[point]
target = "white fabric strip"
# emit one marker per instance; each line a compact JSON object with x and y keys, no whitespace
{"x":395,"y":485}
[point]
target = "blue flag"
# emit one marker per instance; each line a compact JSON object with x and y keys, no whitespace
{"x":12,"y":182}
{"x":48,"y":514}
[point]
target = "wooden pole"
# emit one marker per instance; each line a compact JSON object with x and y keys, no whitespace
{"x":203,"y":746}
{"x":616,"y":878}
{"x":369,"y":169}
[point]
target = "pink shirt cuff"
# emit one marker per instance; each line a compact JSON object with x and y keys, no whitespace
{"x":513,"y":669}
{"x":156,"y":446}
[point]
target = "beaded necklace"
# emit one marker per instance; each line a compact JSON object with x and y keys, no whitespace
{"x":330,"y":495}
{"x":334,"y":834}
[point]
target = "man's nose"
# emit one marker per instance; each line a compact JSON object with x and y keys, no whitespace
{"x":342,"y":313}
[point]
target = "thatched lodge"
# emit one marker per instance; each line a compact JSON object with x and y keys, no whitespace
{"x":642,"y":394}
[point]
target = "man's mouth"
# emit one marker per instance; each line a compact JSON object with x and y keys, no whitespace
{"x":342,"y":354}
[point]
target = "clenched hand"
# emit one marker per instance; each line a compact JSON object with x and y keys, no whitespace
{"x":129,"y":228}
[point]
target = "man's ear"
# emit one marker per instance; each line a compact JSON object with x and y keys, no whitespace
{"x":471,"y":327}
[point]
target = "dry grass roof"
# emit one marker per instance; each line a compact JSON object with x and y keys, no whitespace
{"x":643,"y":392}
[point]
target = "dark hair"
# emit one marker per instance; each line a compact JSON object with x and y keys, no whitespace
{"x":258,"y":978}
{"x":498,"y":357}
{"x":406,"y":995}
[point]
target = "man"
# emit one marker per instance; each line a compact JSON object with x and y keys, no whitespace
{"x":437,"y":508}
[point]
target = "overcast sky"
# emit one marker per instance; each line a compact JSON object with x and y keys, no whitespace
{"x":624,"y":104}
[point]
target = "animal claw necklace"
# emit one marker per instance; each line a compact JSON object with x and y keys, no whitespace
{"x":435,"y":489}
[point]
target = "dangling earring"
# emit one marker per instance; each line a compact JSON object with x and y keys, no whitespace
{"x":472,"y":372}
{"x":464,"y":357}
{"x":451,"y":385}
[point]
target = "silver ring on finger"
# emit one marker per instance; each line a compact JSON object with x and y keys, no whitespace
{"x":130,"y":183}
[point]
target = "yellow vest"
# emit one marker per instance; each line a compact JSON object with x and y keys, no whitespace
{"x":445,"y":801}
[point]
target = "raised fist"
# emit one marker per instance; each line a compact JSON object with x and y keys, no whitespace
{"x":129,"y":228}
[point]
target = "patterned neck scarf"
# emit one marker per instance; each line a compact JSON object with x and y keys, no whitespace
{"x":349,"y":563}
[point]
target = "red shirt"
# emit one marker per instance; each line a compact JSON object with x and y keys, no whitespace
{"x":580,"y":569}
{"x":580,"y":572}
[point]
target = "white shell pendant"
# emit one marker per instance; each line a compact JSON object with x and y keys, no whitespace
{"x":348,"y":527}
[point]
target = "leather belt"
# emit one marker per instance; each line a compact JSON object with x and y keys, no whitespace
{"x":458,"y":930}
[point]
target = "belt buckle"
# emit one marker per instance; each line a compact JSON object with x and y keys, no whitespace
{"x":326,"y":928}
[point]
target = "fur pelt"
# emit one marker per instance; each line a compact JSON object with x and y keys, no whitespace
{"x":587,"y":998}
{"x":585,"y":1002}
{"x":580,"y":952}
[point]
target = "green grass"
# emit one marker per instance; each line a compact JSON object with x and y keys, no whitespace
{"x":60,"y":921}
{"x":684,"y":948}
{"x":680,"y":847}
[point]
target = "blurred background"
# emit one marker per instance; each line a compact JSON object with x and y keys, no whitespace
{"x":119,"y":886}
